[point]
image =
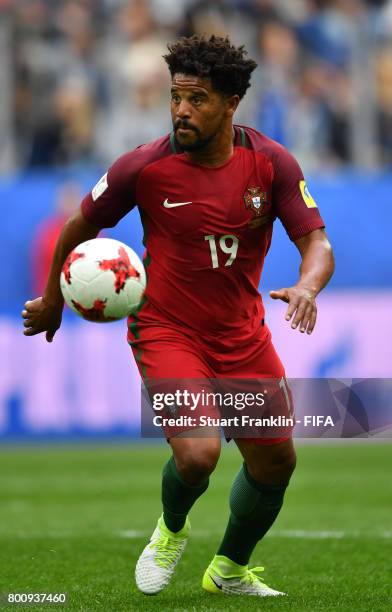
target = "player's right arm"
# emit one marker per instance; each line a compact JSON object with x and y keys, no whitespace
{"x":44,"y":314}
{"x":111,"y":199}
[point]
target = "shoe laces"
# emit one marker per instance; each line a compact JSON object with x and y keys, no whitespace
{"x":167,"y":551}
{"x":251,"y":577}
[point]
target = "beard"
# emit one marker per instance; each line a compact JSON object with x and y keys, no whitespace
{"x":199,"y":143}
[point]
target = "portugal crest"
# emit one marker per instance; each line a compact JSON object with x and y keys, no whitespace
{"x":254,"y":199}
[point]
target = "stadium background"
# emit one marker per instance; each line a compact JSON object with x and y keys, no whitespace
{"x":80,"y":83}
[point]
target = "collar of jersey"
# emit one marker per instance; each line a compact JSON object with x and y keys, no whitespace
{"x":186,"y":159}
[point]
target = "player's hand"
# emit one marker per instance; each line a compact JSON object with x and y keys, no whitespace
{"x":40,"y":316}
{"x":302,"y":310}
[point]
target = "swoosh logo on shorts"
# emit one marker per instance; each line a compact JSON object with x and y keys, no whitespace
{"x":168,"y":204}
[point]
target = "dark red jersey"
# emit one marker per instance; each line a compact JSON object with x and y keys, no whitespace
{"x":207,"y":230}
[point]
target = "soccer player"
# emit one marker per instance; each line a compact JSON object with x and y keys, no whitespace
{"x":208,"y":195}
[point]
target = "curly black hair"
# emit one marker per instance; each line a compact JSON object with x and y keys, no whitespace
{"x":215,"y":58}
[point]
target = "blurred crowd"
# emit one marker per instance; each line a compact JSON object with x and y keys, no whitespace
{"x":82,"y":81}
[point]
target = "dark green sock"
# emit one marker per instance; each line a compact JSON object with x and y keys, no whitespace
{"x":254,"y":507}
{"x":178,"y":497}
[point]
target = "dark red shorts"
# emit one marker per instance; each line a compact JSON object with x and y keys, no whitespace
{"x":163,"y":351}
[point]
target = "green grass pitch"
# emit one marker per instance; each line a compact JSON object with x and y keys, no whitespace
{"x":75,"y":519}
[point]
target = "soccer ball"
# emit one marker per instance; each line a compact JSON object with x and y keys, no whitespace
{"x":103,"y":280}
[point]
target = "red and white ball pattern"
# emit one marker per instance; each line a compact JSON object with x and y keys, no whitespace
{"x":103,"y":280}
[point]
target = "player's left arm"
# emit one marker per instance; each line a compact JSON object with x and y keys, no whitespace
{"x":317,"y":266}
{"x":304,"y":225}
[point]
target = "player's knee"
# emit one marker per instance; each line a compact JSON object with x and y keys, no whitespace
{"x":288,"y":463}
{"x":197,"y":459}
{"x":284,"y":462}
{"x":277,"y":467}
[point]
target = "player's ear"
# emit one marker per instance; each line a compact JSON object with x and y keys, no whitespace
{"x":231,"y":105}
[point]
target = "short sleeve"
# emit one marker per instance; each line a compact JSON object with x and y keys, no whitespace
{"x":291,"y":199}
{"x":114,"y":194}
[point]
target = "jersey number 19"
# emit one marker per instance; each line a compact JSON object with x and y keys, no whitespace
{"x":227,"y":243}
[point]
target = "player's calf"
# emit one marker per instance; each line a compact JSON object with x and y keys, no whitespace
{"x":256,"y":503}
{"x":186,"y":477}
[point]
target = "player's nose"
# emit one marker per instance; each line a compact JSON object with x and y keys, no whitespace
{"x":183,"y":110}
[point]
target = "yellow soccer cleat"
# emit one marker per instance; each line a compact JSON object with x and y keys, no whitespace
{"x":228,"y":578}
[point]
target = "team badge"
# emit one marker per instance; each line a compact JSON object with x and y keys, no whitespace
{"x":255,"y":198}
